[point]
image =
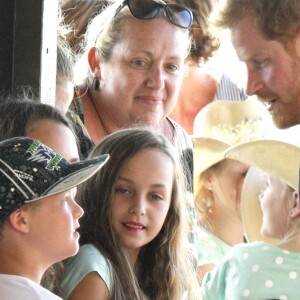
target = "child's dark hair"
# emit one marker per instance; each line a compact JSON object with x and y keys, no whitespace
{"x":17,"y":114}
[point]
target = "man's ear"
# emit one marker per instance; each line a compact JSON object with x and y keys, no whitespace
{"x":295,"y":210}
{"x":94,"y":62}
{"x":18,"y":220}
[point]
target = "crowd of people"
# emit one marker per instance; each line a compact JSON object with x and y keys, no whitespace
{"x":134,"y":186}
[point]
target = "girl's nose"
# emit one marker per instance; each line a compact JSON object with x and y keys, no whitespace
{"x":138,"y":207}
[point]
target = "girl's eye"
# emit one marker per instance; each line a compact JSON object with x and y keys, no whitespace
{"x":122,"y":191}
{"x":244,"y":174}
{"x":156,"y":197}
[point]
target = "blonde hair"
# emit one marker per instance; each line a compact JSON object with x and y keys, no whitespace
{"x":204,"y":199}
{"x":103,"y":32}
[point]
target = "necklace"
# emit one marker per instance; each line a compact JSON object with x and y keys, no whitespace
{"x":104,"y":129}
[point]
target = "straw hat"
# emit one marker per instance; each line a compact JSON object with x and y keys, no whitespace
{"x":221,"y":124}
{"x":279,"y":159}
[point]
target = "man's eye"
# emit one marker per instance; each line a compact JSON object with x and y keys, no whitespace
{"x":258,"y":64}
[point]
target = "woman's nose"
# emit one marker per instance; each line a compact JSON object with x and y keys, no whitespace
{"x":156,"y":78}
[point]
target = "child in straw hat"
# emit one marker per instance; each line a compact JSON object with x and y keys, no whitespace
{"x":218,"y":181}
{"x":261,"y":270}
{"x":38,"y":214}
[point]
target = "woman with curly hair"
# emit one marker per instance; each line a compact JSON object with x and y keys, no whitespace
{"x":199,"y":86}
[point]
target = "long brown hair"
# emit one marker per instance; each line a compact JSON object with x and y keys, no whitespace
{"x":163,"y":269}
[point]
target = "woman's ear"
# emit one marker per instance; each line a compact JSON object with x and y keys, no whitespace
{"x":295,"y":210}
{"x":94,"y":62}
{"x":18,"y":220}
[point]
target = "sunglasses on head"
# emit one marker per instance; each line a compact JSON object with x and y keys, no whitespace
{"x":148,"y":9}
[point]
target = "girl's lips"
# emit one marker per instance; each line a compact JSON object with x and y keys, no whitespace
{"x":134,"y":226}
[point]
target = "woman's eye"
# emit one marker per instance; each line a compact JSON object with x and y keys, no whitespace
{"x":173,"y":68}
{"x":139,"y":63}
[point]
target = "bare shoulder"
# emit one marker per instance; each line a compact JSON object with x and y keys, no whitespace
{"x":92,"y":287}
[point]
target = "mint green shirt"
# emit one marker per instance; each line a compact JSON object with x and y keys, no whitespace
{"x":211,"y":250}
{"x":87,"y":260}
{"x":256,"y":271}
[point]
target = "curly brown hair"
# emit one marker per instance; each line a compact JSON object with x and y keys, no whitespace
{"x":277,"y":20}
{"x":204,"y":43}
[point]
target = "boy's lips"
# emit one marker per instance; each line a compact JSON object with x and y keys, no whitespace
{"x":76,"y":227}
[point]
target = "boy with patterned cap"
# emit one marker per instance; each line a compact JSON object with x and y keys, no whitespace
{"x":35,"y":234}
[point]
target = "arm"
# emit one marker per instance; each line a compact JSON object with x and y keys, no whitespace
{"x":202,"y":270}
{"x":91,"y":287}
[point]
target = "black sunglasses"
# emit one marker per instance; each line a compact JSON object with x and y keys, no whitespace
{"x":148,"y":9}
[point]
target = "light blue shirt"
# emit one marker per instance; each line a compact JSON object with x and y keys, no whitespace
{"x":254,"y":271}
{"x":211,"y":250}
{"x":88,"y":259}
